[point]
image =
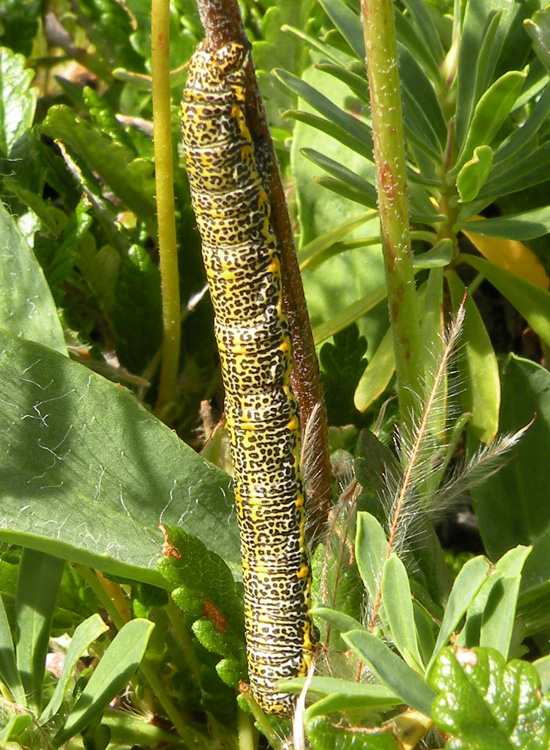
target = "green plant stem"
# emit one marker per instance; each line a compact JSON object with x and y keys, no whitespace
{"x":162,"y":133}
{"x":248,"y":736}
{"x":389,"y":152}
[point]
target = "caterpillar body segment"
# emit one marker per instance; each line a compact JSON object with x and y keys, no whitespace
{"x":227,"y":174}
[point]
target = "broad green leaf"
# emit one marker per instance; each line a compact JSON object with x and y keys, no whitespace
{"x":9,"y":673}
{"x":88,"y":473}
{"x":491,"y":111}
{"x":391,"y":670}
{"x":27,"y":308}
{"x":84,"y":635}
{"x":542,"y":666}
{"x":37,"y":585}
{"x":474,"y":173}
{"x":499,"y":615}
{"x":130,"y":178}
{"x":529,"y":300}
{"x":487,"y":705}
{"x":17,"y":100}
{"x":115,"y":668}
{"x":398,"y":606}
{"x":521,"y":226}
{"x":467,"y":583}
{"x":538,"y":28}
{"x":326,"y":736}
{"x":349,"y":315}
{"x":478,"y":366}
{"x":377,"y":375}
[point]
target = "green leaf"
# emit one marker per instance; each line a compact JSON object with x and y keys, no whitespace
{"x":88,"y":473}
{"x":377,"y":375}
{"x":538,"y":28}
{"x":9,"y":673}
{"x":84,"y":635}
{"x":499,"y":615}
{"x":513,"y":174}
{"x":521,"y":140}
{"x":37,"y":585}
{"x":27,"y":308}
{"x":491,"y":111}
{"x":371,"y":547}
{"x":348,"y":24}
{"x":332,"y":112}
{"x":521,"y":226}
{"x":398,"y":606}
{"x":439,"y":256}
{"x":525,"y":388}
{"x":471,"y":578}
{"x":478,"y":368}
{"x":308,"y":254}
{"x":474,"y":173}
{"x":488,"y":705}
{"x":338,"y":619}
{"x":391,"y":670}
{"x":343,"y":695}
{"x":349,"y":315}
{"x":111,"y":675}
{"x":206,"y":593}
{"x":529,"y":300}
{"x":130,"y":178}
{"x":352,"y":180}
{"x":17,"y":100}
{"x":14,"y":727}
{"x":326,"y":736}
{"x":342,"y":364}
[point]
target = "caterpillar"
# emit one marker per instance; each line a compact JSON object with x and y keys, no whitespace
{"x":230,"y":197}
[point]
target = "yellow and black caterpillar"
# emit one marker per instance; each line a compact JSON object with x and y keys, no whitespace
{"x":242,"y":261}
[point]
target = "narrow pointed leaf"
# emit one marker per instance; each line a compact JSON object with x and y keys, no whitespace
{"x":115,"y":668}
{"x":398,"y":606}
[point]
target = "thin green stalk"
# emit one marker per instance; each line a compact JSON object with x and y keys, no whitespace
{"x":389,"y":152}
{"x":162,"y":132}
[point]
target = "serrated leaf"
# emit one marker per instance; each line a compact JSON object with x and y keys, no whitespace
{"x":130,"y":178}
{"x":391,"y":670}
{"x":87,"y":473}
{"x":17,"y":99}
{"x":479,"y":367}
{"x":488,"y":705}
{"x":202,"y":575}
{"x":342,"y":364}
{"x":529,"y":300}
{"x":326,"y":736}
{"x":474,"y":173}
{"x":115,"y":668}
{"x":27,"y":308}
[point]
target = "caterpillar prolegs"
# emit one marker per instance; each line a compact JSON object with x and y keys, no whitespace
{"x":242,"y":262}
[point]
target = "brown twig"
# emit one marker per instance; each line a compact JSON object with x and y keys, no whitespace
{"x":222,"y":23}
